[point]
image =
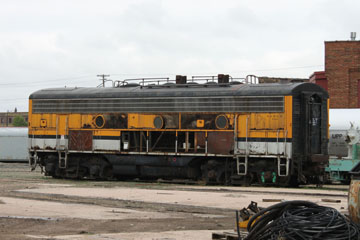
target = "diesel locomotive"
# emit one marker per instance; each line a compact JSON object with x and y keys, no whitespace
{"x":221,"y":131}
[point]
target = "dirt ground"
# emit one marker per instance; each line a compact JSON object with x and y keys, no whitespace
{"x":36,"y":207}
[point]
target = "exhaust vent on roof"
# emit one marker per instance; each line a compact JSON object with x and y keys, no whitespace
{"x":181,"y":79}
{"x":223,"y":78}
{"x":353,"y":36}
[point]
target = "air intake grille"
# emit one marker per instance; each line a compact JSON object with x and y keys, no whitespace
{"x":179,"y":104}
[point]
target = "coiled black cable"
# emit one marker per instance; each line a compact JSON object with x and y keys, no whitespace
{"x":295,"y":220}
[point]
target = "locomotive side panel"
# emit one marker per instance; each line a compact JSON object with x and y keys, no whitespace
{"x":266,"y":133}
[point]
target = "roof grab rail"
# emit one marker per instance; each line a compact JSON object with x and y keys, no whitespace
{"x":142,"y":81}
{"x":220,"y":79}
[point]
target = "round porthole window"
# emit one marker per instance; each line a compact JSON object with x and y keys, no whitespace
{"x":221,"y":122}
{"x":158,"y":122}
{"x":99,"y":121}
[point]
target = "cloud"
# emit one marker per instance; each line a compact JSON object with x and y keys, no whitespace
{"x":62,"y":42}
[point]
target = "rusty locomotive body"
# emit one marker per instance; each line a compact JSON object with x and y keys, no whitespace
{"x":223,"y":132}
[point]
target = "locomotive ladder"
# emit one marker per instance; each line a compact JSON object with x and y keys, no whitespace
{"x":63,"y":157}
{"x":33,"y":160}
{"x":242,"y":162}
{"x":283,"y":163}
{"x":62,"y":144}
{"x":33,"y":157}
{"x":283,"y":166}
{"x":242,"y":165}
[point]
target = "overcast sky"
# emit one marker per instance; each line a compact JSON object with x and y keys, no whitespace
{"x":57,"y":43}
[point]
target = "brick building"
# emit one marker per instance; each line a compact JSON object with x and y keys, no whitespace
{"x":320,"y":79}
{"x":7,"y":118}
{"x":342,"y":73}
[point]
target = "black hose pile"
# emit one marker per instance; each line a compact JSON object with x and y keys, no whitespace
{"x":301,"y":220}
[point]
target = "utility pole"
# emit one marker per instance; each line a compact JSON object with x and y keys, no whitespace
{"x":103,"y":79}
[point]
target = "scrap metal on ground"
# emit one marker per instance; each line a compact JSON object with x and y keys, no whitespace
{"x":291,"y":220}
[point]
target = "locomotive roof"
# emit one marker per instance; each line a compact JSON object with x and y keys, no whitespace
{"x":271,"y":89}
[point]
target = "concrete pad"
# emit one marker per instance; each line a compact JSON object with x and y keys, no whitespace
{"x":303,"y":191}
{"x":47,"y":210}
{"x":174,"y":235}
{"x":226,"y":200}
{"x":55,"y":185}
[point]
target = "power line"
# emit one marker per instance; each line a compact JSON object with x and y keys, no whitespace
{"x":285,"y":68}
{"x":202,"y":73}
{"x":52,"y":84}
{"x":103,"y":76}
{"x":13,"y":99}
{"x":44,"y":81}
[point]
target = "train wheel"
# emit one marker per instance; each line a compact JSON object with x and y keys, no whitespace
{"x":97,"y":168}
{"x":288,"y":181}
{"x":59,"y":173}
{"x":107,"y":173}
{"x":213,"y":172}
{"x":50,"y":165}
{"x":238,"y":180}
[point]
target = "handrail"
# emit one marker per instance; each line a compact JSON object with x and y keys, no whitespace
{"x":167,"y":82}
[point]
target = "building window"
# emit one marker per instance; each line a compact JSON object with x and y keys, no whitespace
{"x":10,"y":120}
{"x":2,"y":120}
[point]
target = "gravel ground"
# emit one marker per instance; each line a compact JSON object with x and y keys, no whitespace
{"x":36,"y":207}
